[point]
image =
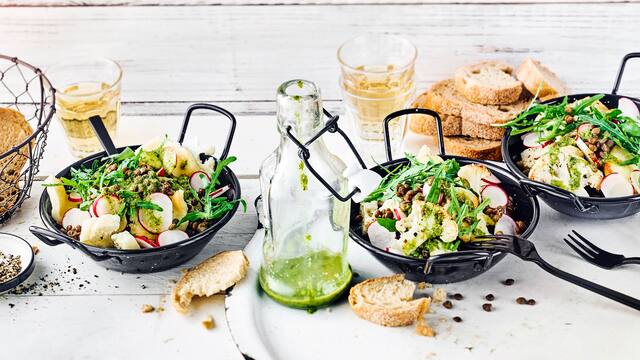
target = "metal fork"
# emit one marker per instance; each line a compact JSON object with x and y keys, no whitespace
{"x":525,"y":250}
{"x":596,"y":255}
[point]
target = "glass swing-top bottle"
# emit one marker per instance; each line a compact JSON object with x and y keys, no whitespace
{"x":306,"y":227}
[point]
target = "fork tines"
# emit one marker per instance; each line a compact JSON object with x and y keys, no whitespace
{"x":589,"y":250}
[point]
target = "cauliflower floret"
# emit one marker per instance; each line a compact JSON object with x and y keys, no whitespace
{"x":566,"y":168}
{"x":124,"y":241}
{"x":367,"y":210}
{"x":97,"y":231}
{"x":530,"y":155}
{"x":425,"y":154}
{"x":449,"y":230}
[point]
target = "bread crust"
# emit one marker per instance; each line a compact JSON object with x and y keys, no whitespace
{"x":473,"y":148}
{"x":470,"y":83}
{"x":478,"y":120}
{"x":443,"y":98}
{"x":385,"y":314}
{"x":534,"y":76}
{"x":214,"y":275}
{"x":426,"y":125}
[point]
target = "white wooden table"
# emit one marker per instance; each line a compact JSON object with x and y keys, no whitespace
{"x":235,"y":55}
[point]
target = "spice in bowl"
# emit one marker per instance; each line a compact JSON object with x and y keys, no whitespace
{"x":10,"y":266}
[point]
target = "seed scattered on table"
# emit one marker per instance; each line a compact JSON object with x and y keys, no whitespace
{"x":447,"y":304}
{"x":10,"y":266}
{"x":531,"y":302}
{"x":490,"y":297}
{"x":509,"y":282}
{"x":458,"y":296}
{"x":521,"y":300}
{"x":146,"y":308}
{"x":486,"y":307}
{"x":208,"y":323}
{"x":457,"y":319}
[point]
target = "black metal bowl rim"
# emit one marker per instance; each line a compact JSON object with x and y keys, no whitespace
{"x":457,"y":255}
{"x":45,"y":123}
{"x":208,"y":232}
{"x":520,"y":175}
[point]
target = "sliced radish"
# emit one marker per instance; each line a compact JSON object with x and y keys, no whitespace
{"x":497,"y":197}
{"x":380,"y":237}
{"x":199,"y":180}
{"x":146,"y":243}
{"x":635,"y":178}
{"x":628,"y":108}
{"x":505,"y":225}
{"x":218,"y":192}
{"x":105,"y":204}
{"x":531,"y":140}
{"x":160,"y":172}
{"x":616,"y":185}
{"x":75,"y":197}
{"x":171,"y":236}
{"x":74,"y":217}
{"x":584,"y":128}
{"x":491,"y":180}
{"x":398,"y":214}
{"x":155,"y":221}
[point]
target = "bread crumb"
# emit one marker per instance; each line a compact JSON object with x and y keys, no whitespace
{"x":423,"y":285}
{"x":439,"y":295}
{"x":160,"y":309}
{"x":424,"y":329}
{"x":36,"y":249}
{"x":146,"y":308}
{"x":208,"y":323}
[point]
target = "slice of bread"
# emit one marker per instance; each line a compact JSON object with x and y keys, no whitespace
{"x":477,"y":119}
{"x":214,"y":275}
{"x":387,"y":301}
{"x":14,"y":129}
{"x":426,"y":125}
{"x":443,"y":98}
{"x":474,"y":148}
{"x":488,"y":83}
{"x":534,"y":76}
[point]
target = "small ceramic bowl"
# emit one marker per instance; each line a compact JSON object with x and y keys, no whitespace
{"x":14,"y":245}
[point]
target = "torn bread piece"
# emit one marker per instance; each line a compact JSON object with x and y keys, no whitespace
{"x":387,"y":301}
{"x":214,"y":275}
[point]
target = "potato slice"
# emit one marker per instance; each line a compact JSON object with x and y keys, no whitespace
{"x":179,"y":207}
{"x":59,"y":200}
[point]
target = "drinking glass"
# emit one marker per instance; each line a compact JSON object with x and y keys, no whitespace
{"x":377,"y":78}
{"x":86,"y":87}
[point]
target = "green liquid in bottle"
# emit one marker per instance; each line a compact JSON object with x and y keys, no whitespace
{"x":306,"y":282}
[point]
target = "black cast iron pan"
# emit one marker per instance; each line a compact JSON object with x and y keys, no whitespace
{"x":599,"y":208}
{"x":465,"y":263}
{"x":143,"y":260}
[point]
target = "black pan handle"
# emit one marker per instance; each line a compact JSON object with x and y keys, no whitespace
{"x":483,"y":259}
{"x":621,"y":70}
{"x":533,"y":188}
{"x":393,"y":115}
{"x":102,"y":134}
{"x":214,"y":108}
{"x":53,"y":238}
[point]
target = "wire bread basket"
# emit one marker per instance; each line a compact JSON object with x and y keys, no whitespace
{"x":25,"y":89}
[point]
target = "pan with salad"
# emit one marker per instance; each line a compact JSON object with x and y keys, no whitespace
{"x":582,"y":146}
{"x":432,"y":206}
{"x":156,"y":195}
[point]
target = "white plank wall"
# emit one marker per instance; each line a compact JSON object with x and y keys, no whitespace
{"x":241,"y":53}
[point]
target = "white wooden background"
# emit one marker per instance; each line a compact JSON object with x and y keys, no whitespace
{"x":235,"y":54}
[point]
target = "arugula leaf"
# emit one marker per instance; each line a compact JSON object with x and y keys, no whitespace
{"x":389,"y":224}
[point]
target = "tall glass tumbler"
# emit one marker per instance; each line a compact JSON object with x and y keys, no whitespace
{"x":377,"y":78}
